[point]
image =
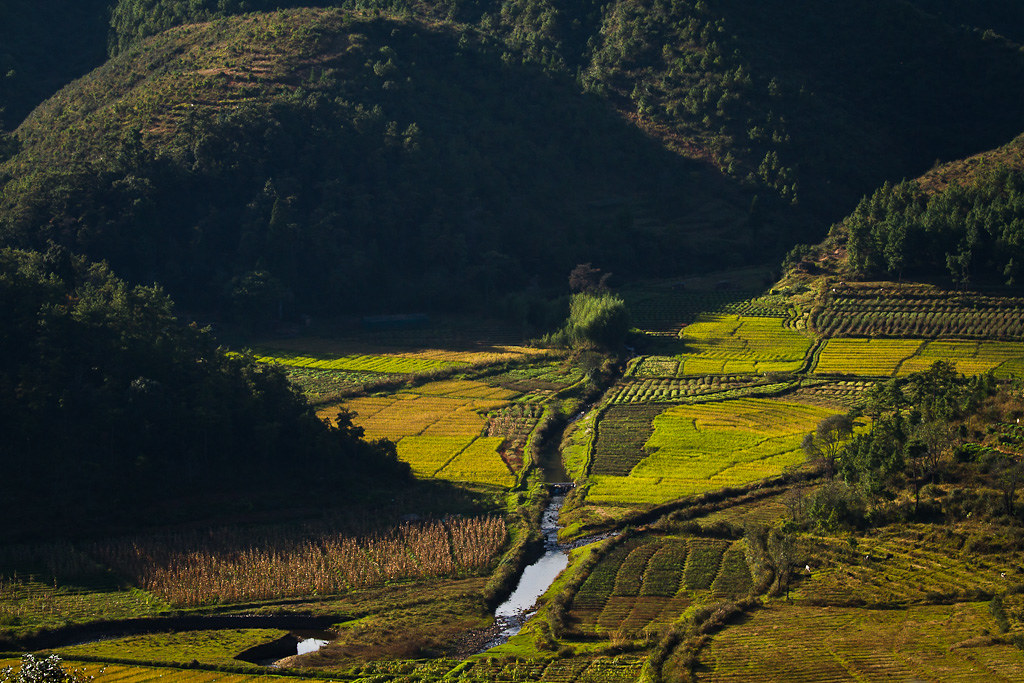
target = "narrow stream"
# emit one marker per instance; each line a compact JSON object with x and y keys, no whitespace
{"x":537,"y":577}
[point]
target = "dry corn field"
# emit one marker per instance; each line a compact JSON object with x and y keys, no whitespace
{"x":196,"y":571}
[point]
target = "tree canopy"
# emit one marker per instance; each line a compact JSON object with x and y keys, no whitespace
{"x":109,"y":405}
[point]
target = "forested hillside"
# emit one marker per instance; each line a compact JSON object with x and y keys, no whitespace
{"x":111,"y":408}
{"x":393,"y":153}
{"x":961,"y":223}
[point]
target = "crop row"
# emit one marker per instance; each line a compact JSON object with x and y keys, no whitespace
{"x":889,"y":357}
{"x":703,"y":447}
{"x":688,"y":386}
{"x":621,"y":434}
{"x":919,"y":312}
{"x":667,"y":391}
{"x":1002,"y":325}
{"x":835,"y":392}
{"x":644,"y":584}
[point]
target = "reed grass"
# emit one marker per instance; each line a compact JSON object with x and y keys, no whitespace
{"x":195,"y":569}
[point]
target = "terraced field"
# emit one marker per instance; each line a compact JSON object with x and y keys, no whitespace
{"x":741,"y":344}
{"x":802,"y":643}
{"x":383,"y":364}
{"x":693,"y":389}
{"x":897,"y":357}
{"x":439,"y":428}
{"x":709,"y":446}
{"x":647,"y":582}
{"x":899,"y":568}
{"x":866,"y":310}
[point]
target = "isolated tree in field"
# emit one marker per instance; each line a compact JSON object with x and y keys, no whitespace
{"x":782,"y":555}
{"x":827,"y":439}
{"x":588,"y":280}
{"x":1008,"y":473}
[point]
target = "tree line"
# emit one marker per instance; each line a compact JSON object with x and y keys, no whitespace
{"x":973,"y":232}
{"x":110,"y":407}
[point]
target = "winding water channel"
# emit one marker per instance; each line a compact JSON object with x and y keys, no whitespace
{"x":537,"y":577}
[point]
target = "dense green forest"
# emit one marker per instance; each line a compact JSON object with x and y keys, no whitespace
{"x":111,"y":408}
{"x":975,"y":232}
{"x":390,"y":154}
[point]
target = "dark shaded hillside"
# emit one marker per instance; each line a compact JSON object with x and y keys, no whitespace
{"x":811,"y":101}
{"x":877,"y":89}
{"x":43,"y":45}
{"x":327,"y":162}
{"x":110,"y":407}
{"x":1004,"y":17}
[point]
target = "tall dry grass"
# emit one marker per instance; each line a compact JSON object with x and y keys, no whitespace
{"x":196,"y":569}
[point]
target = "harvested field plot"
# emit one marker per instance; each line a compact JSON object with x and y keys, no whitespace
{"x":708,"y":446}
{"x":892,"y":357}
{"x":741,"y":344}
{"x":796,"y":643}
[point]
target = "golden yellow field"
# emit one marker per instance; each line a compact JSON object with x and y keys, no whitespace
{"x":898,"y":357}
{"x":439,"y":429}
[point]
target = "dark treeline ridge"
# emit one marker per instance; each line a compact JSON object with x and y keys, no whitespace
{"x":972,"y":232}
{"x":112,"y":410}
{"x":1001,"y":17}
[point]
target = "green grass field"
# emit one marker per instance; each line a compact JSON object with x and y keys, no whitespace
{"x":897,"y":357}
{"x":353,"y":363}
{"x":741,"y":344}
{"x":706,"y":447}
{"x":207,"y":647}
